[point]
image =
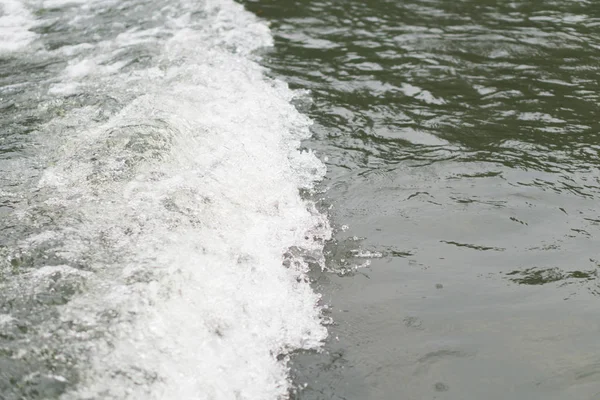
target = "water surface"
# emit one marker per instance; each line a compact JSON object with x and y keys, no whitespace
{"x":152,"y":233}
{"x":462,"y":144}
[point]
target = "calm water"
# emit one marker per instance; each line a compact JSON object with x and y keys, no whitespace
{"x":462,"y":143}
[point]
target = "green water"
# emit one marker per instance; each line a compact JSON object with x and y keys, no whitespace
{"x":462,"y":142}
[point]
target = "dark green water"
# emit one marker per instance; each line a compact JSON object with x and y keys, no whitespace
{"x":462,"y":141}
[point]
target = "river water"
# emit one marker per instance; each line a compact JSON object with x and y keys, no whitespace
{"x":163,"y":206}
{"x":462,"y":145}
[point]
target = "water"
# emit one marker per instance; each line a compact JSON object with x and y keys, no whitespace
{"x":462,"y":152}
{"x":161,"y":216}
{"x":153,"y":240}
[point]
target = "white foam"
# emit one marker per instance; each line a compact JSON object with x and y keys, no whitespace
{"x":64,"y":88}
{"x":5,"y":319}
{"x":80,"y":69}
{"x":182,"y":206}
{"x":15,"y":24}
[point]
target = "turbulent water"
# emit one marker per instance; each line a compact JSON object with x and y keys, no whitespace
{"x":153,"y":240}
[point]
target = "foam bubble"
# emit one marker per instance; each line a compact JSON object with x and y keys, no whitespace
{"x":15,"y":24}
{"x":182,"y":207}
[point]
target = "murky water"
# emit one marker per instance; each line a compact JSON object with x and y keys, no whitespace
{"x":462,"y":144}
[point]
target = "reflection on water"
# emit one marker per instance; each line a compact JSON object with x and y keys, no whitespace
{"x":541,"y":276}
{"x":463,"y":141}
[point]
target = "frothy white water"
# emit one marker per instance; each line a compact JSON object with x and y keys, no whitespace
{"x":15,"y":24}
{"x":180,"y":213}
